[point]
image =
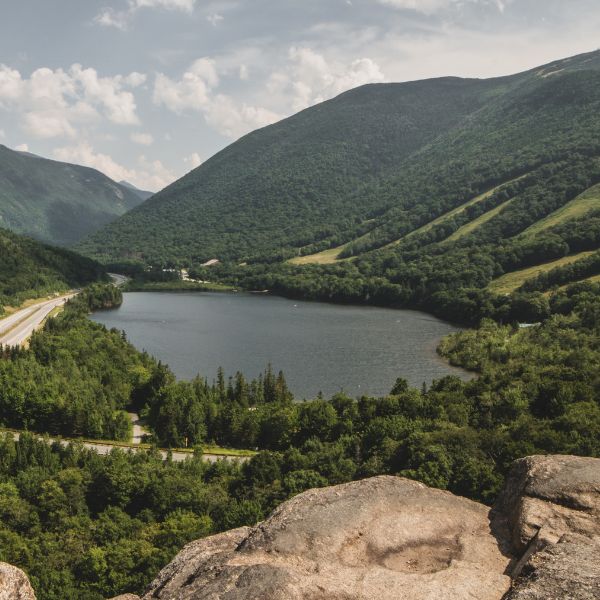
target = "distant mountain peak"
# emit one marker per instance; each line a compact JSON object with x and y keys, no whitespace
{"x":58,"y":202}
{"x":143,"y":194}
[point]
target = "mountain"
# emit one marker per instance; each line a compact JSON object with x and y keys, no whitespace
{"x":330,"y":169}
{"x":398,"y":194}
{"x":143,"y":194}
{"x":57,"y":202}
{"x":30,"y":269}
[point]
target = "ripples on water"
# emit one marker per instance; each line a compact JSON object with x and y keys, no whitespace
{"x":320,"y":347}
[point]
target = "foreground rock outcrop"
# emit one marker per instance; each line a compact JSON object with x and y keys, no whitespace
{"x":567,"y":570}
{"x":390,"y":538}
{"x":550,"y":510}
{"x":380,"y":538}
{"x":14,"y":584}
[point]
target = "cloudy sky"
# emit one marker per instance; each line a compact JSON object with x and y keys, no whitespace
{"x":145,"y":90}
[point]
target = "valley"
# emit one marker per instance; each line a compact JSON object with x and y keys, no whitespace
{"x":424,"y":259}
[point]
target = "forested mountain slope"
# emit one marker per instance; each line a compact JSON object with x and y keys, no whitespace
{"x":29,"y":269}
{"x":384,"y":158}
{"x":57,"y":202}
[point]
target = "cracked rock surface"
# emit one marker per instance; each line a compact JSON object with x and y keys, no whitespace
{"x":14,"y":584}
{"x":379,"y":538}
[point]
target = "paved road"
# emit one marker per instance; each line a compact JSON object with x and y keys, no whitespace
{"x":101,"y":448}
{"x":16,"y":329}
{"x":118,"y":280}
{"x":9,"y":322}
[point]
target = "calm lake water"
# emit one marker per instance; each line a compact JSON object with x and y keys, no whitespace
{"x":319,"y":347}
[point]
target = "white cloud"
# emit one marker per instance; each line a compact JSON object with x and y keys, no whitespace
{"x":233,"y":120}
{"x":309,"y":78}
{"x":193,"y":160}
{"x":429,"y":7}
{"x":191,"y":92}
{"x":2,"y":134}
{"x":195,"y":91}
{"x":244,"y":73}
{"x":113,"y":18}
{"x":152,"y":175}
{"x":149,"y":174}
{"x":47,"y":124}
{"x":119,"y":105}
{"x":120,"y":19}
{"x":135,"y":79}
{"x":144,"y":139}
{"x":53,"y":103}
{"x":22,"y":148}
{"x":183,"y":5}
{"x":11,"y":84}
{"x":214,"y":19}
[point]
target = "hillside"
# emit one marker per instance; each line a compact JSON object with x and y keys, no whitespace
{"x":322,"y":176}
{"x":29,"y":269}
{"x":414,"y":194}
{"x":57,"y":202}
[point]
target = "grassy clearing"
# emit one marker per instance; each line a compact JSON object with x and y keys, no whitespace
{"x":9,"y":310}
{"x":591,"y":279}
{"x":478,"y":222}
{"x":579,"y":206}
{"x":509,"y":282}
{"x":330,"y":256}
{"x":455,"y":211}
{"x":326,"y":257}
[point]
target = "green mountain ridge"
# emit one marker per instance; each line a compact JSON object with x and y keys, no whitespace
{"x":57,"y":202}
{"x":423,"y":187}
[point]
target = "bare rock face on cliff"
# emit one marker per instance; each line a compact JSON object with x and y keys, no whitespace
{"x":545,"y":497}
{"x":567,"y":570}
{"x":550,"y":507}
{"x":14,"y":584}
{"x":392,"y":538}
{"x":380,"y":538}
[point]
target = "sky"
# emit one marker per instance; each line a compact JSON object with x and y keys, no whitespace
{"x":146,"y":90}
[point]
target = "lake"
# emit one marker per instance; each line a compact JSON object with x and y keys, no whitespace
{"x":320,"y":347}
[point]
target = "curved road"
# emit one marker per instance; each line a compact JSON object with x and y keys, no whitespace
{"x":18,"y":327}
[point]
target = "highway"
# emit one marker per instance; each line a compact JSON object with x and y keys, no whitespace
{"x":16,"y":329}
{"x":118,"y":280}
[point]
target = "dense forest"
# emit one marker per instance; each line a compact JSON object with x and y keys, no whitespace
{"x":89,"y":526}
{"x":29,"y":269}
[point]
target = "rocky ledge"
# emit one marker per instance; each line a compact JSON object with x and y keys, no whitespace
{"x":390,"y":538}
{"x":14,"y":584}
